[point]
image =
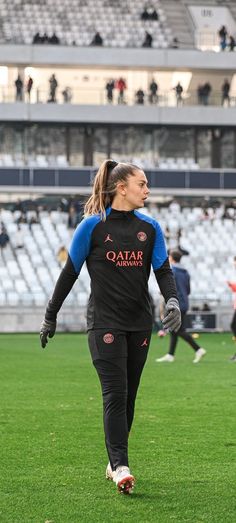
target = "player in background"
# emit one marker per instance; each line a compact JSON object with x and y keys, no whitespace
{"x":182,"y":280}
{"x":119,"y":245}
{"x":232,"y":286}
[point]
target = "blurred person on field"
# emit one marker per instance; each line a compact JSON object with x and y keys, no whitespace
{"x":232,"y":286}
{"x":182,"y":280}
{"x":62,"y":255}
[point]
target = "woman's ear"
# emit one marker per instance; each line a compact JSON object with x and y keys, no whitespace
{"x":121,"y":188}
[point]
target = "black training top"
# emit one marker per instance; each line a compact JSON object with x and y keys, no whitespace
{"x":119,"y":253}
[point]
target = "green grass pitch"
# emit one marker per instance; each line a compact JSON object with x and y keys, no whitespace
{"x":182,"y":445}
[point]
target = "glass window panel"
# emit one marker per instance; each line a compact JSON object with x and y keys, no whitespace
{"x":173,"y":143}
{"x":100,"y":145}
{"x":204,"y":141}
{"x":76,"y":146}
{"x":227,"y":149}
{"x":132,"y":144}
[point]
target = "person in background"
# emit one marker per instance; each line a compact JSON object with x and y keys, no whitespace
{"x":119,"y":245}
{"x":97,"y":39}
{"x":62,"y":255}
{"x":223,"y":36}
{"x":232,"y":43}
{"x":109,"y":90}
{"x":29,"y":85}
{"x":139,"y":96}
{"x":53,"y":85}
{"x":121,"y":86}
{"x":225,"y":99}
{"x":232,"y":286}
{"x":153,"y":90}
{"x":4,"y":238}
{"x":178,"y":92}
{"x":19,"y":89}
{"x":147,"y":40}
{"x":182,"y":280}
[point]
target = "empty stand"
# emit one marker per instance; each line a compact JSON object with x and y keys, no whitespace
{"x":75,"y":22}
{"x":28,"y":274}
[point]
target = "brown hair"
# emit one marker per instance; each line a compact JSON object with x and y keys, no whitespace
{"x":175,"y":255}
{"x":104,"y":186}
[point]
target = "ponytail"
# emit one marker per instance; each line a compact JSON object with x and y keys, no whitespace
{"x":104,"y":186}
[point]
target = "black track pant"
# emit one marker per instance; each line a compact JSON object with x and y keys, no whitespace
{"x":183,"y":334}
{"x":233,"y":324}
{"x":119,"y":358}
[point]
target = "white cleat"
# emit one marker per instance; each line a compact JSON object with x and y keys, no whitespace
{"x":168,"y":358}
{"x":109,"y":472}
{"x":199,"y":355}
{"x":124,"y":480}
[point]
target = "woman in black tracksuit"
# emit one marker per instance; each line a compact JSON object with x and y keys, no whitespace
{"x":119,"y":246}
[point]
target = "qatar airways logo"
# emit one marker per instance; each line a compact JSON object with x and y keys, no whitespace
{"x":126,"y":258}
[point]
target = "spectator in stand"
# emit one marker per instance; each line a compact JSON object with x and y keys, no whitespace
{"x":19,"y":238}
{"x":53,"y":84}
{"x":153,"y":89}
{"x":232,"y":286}
{"x":121,"y":86}
{"x":67,"y":95}
{"x":200,"y":94}
{"x":139,"y":96}
{"x":149,"y":13}
{"x":109,"y":90}
{"x":45,"y":39}
{"x":223,"y":36}
{"x":4,"y":238}
{"x":54,"y":39}
{"x":37,"y":39}
{"x":175,"y":43}
{"x":225,"y":99}
{"x":19,"y":89}
{"x":231,"y":43}
{"x":178,"y":91}
{"x":97,"y":39}
{"x":206,"y":90}
{"x":147,"y":40}
{"x":29,"y":85}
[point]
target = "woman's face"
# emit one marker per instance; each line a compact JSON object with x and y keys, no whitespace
{"x":135,"y":190}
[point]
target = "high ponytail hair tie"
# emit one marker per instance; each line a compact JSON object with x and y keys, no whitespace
{"x":111,"y":164}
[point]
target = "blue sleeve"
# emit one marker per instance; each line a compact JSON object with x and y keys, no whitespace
{"x":81,"y":241}
{"x":159,"y":253}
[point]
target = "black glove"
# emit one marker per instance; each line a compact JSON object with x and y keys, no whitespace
{"x":47,"y":329}
{"x":172,"y":318}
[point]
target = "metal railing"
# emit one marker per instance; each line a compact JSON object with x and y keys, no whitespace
{"x":92,"y":96}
